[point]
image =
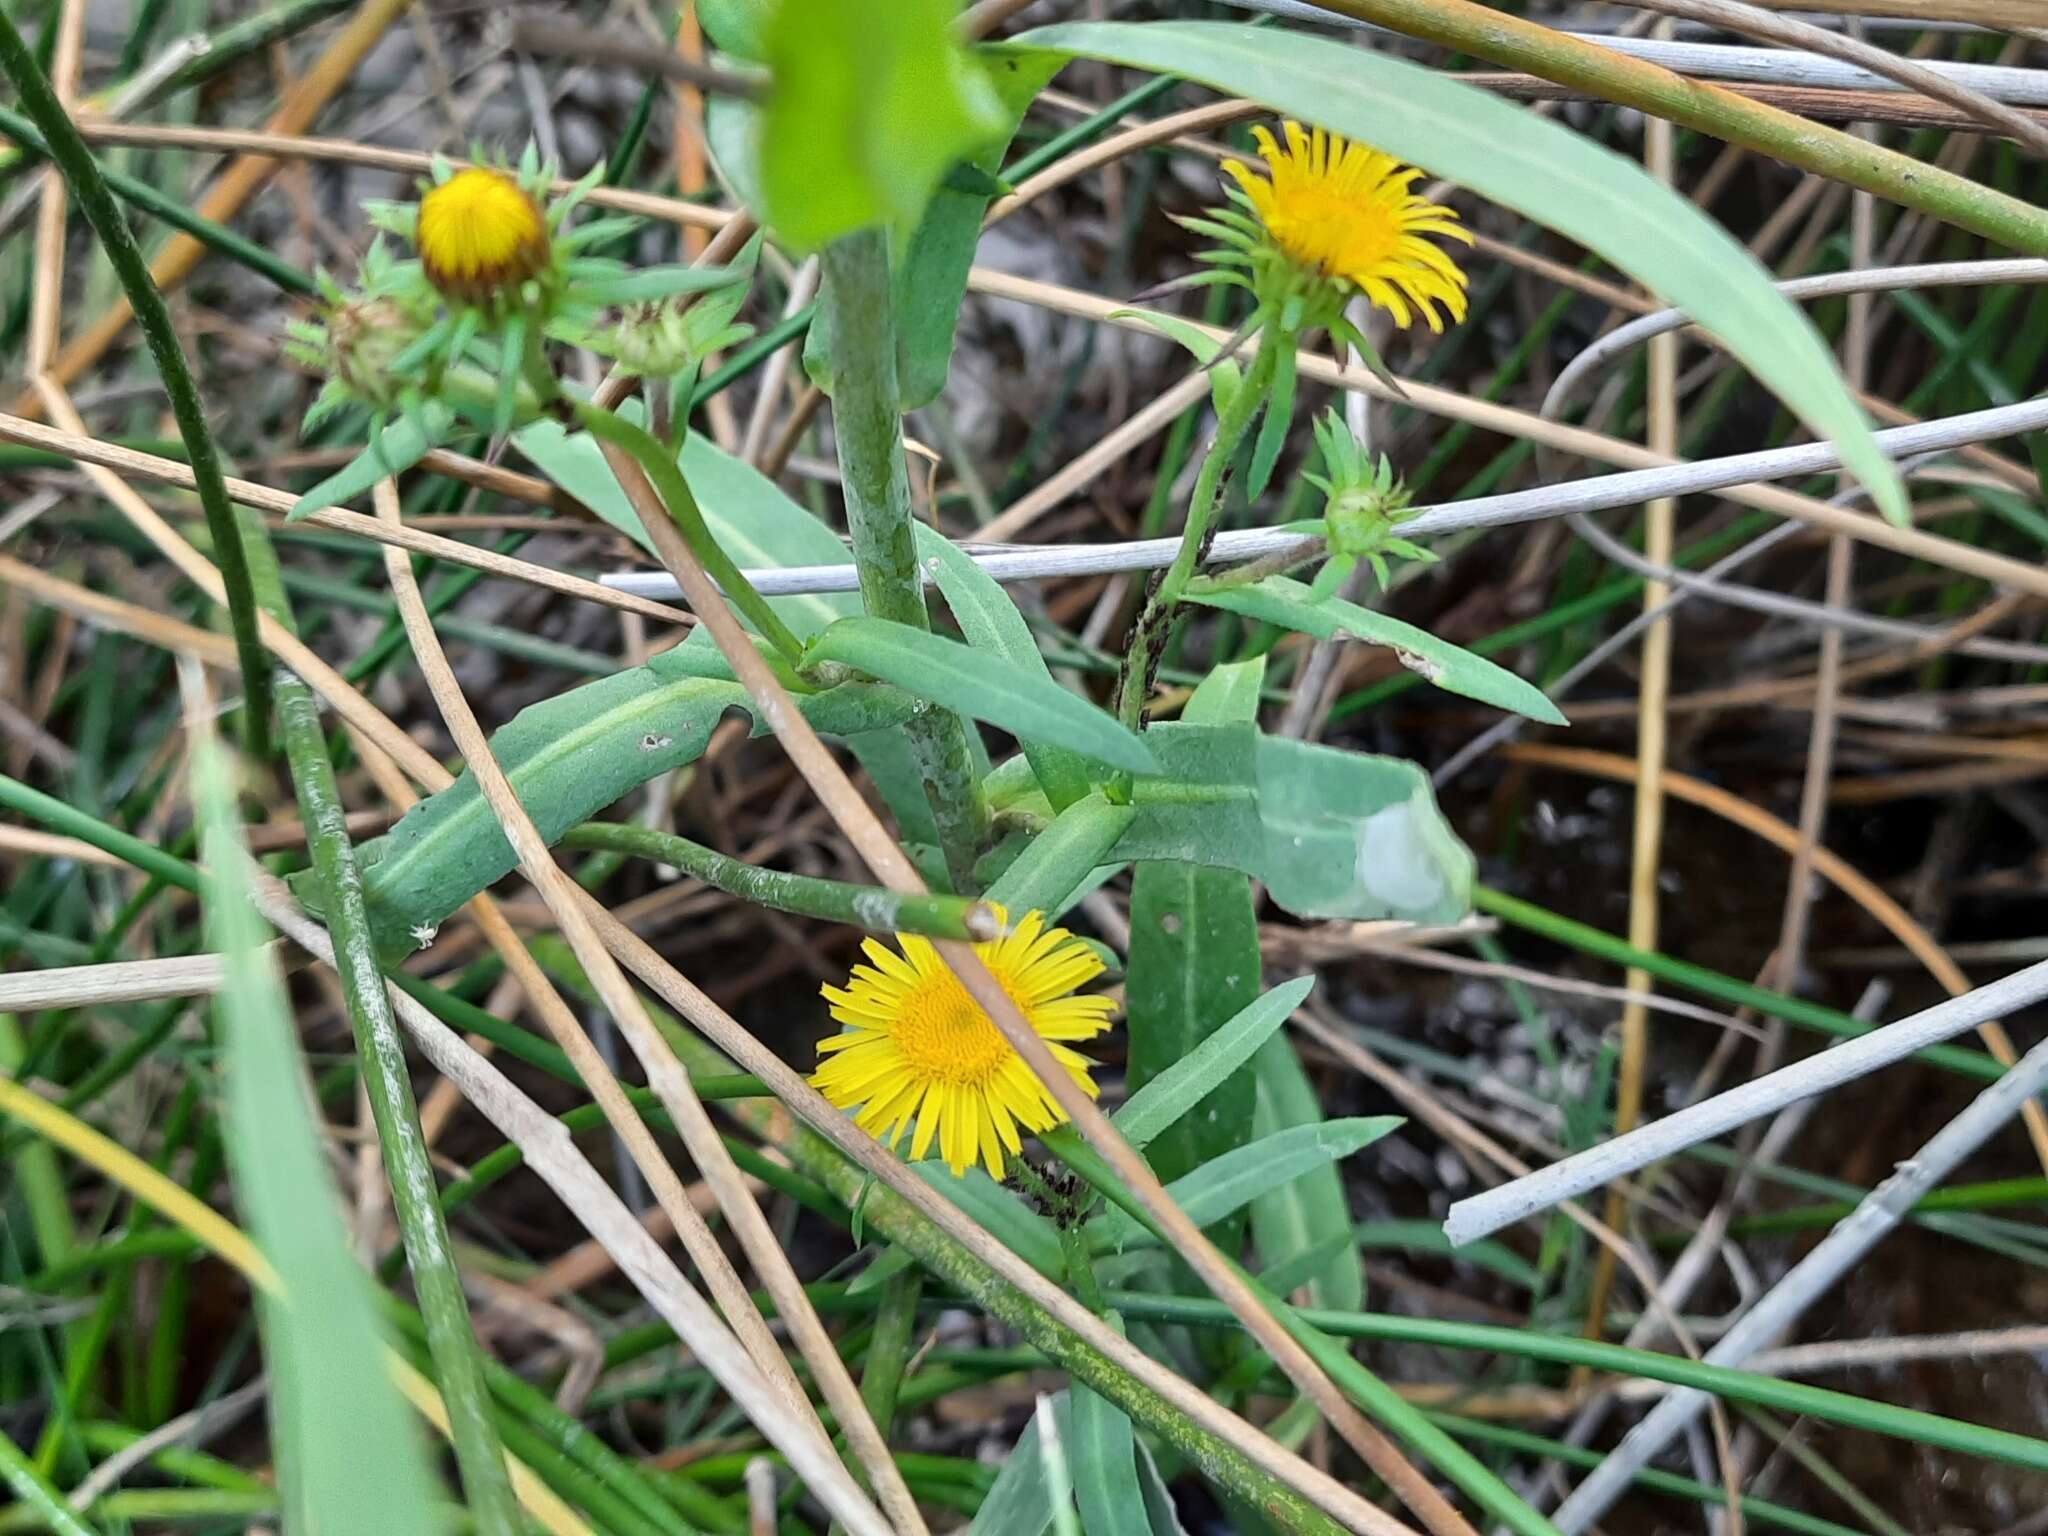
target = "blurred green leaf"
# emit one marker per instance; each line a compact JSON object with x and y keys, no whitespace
{"x":982,"y":686}
{"x":869,"y":106}
{"x":1292,"y":605}
{"x":1542,"y":169}
{"x":928,"y":270}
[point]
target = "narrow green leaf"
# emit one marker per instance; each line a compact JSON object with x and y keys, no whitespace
{"x":1017,"y":1504}
{"x":991,"y":622}
{"x":1539,"y":168}
{"x":1224,"y":377}
{"x":1225,"y":1185}
{"x":1273,"y":429}
{"x":1103,"y":1452}
{"x":651,"y":283}
{"x":1292,"y":605}
{"x":1003,"y":1212}
{"x":392,"y":451}
{"x":981,"y":686}
{"x":1178,"y":1089}
{"x":752,"y":518}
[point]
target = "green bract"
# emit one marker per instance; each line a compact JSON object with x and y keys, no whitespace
{"x":424,"y":360}
{"x":1365,"y":502}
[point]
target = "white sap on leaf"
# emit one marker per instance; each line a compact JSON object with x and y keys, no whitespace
{"x":1394,"y":863}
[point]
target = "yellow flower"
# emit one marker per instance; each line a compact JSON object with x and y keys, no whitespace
{"x":918,"y":1047}
{"x":1347,"y":211}
{"x":480,"y":232}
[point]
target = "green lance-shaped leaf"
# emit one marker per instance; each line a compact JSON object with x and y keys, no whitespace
{"x":397,"y":447}
{"x":1171,"y":1094}
{"x":1292,"y":605}
{"x":1226,"y":1184}
{"x":753,"y":520}
{"x":991,"y":622}
{"x":1194,"y":963}
{"x":1539,"y":168}
{"x":1102,"y":1448}
{"x":982,"y":686}
{"x":1309,"y":1211}
{"x":568,"y":758}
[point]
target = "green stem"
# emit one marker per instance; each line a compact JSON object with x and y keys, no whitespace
{"x":1513,"y":43}
{"x":154,"y":1508}
{"x":834,"y":901}
{"x":380,"y":1049}
{"x":654,"y":457}
{"x":867,"y":421}
{"x":82,"y":174}
{"x":881,"y":1374}
{"x":1148,"y":635}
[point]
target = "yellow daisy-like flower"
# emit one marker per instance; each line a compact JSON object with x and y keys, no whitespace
{"x":918,"y":1047}
{"x":1348,"y":211}
{"x":480,"y":232}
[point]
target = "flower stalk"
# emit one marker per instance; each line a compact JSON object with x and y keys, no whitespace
{"x":1148,"y":634}
{"x":867,"y":419}
{"x":658,"y":460}
{"x":833,"y":901}
{"x":380,"y":1052}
